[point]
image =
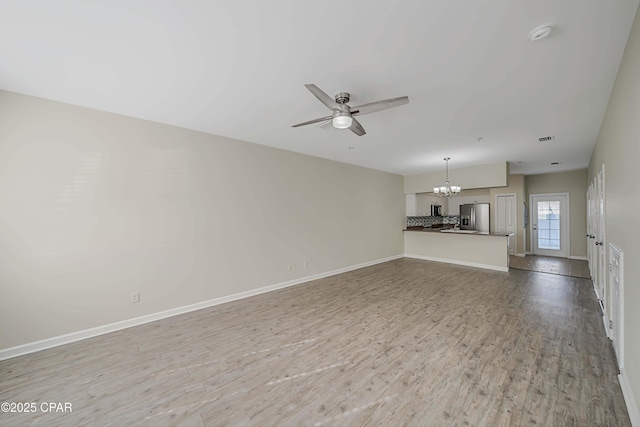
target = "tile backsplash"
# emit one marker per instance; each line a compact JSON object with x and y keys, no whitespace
{"x":428,"y":221}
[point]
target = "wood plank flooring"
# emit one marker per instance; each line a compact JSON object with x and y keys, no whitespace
{"x":553,"y":265}
{"x":404,"y":343}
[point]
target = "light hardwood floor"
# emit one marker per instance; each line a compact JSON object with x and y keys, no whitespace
{"x":553,"y":265}
{"x":407,"y":342}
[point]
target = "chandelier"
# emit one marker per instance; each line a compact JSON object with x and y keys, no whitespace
{"x":447,"y":191}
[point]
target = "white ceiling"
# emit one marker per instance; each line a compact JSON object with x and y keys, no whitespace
{"x":238,"y":69}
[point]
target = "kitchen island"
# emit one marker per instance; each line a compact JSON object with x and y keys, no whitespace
{"x":462,"y":247}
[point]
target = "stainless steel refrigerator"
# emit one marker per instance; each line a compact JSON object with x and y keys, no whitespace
{"x":475,"y":217}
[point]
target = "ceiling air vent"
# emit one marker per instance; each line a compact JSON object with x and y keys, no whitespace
{"x":546,"y":138}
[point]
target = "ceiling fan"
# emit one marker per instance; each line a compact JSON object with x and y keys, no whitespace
{"x":343,"y":114}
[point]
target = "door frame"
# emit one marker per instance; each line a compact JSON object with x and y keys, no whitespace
{"x":514,"y":215}
{"x":565,"y":231}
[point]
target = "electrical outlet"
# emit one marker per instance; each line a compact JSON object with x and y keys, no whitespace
{"x":293,"y":267}
{"x":306,"y":264}
{"x":135,"y":297}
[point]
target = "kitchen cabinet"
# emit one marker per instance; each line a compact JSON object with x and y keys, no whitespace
{"x":419,"y":204}
{"x":412,"y":204}
{"x":425,"y":200}
{"x":455,"y":202}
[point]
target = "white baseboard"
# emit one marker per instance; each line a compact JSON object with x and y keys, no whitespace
{"x":32,"y":347}
{"x":595,"y":291}
{"x":451,"y":261}
{"x":629,"y":399}
{"x":605,"y":319}
{"x":605,"y":322}
{"x":521,"y":255}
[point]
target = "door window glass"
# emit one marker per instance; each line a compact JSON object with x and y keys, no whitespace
{"x":549,"y":225}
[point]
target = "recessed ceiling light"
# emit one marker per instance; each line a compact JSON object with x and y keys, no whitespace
{"x":540,"y":32}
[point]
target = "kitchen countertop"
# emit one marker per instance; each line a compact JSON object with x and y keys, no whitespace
{"x":449,"y":230}
{"x":427,"y":229}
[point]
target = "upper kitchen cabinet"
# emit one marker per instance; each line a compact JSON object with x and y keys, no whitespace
{"x":425,"y":200}
{"x":420,"y":204}
{"x":412,"y":204}
{"x":468,"y":197}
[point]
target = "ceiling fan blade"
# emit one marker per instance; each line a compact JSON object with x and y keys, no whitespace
{"x":323,"y":97}
{"x":326,"y":125}
{"x":321,"y":119}
{"x":372,"y":107}
{"x":357,"y":128}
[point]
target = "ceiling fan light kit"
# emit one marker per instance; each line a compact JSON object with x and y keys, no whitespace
{"x":343,"y":116}
{"x":447,"y":191}
{"x":342,"y":120}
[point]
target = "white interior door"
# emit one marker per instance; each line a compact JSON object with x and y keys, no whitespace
{"x":600,"y":240}
{"x":506,"y":218}
{"x":550,"y":224}
{"x":590,"y":228}
{"x":592,"y":239}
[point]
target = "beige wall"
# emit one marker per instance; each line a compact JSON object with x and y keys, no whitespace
{"x":516,"y":186}
{"x":96,"y":206}
{"x":618,"y":148}
{"x":483,"y":176}
{"x":474,"y":192}
{"x":574,"y":183}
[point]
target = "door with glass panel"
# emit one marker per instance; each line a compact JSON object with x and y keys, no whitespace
{"x":550,"y":224}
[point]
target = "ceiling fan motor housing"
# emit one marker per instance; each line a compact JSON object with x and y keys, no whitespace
{"x":342,"y":97}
